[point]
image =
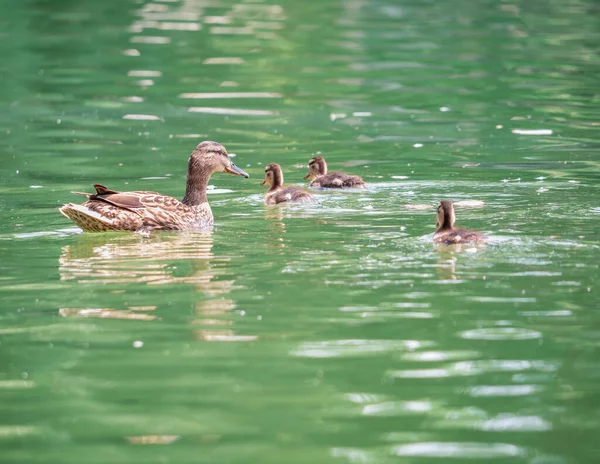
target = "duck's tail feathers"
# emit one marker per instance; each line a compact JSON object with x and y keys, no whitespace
{"x":87,"y":219}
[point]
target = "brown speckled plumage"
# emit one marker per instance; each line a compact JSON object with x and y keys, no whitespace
{"x":277,"y":193}
{"x":317,"y":171}
{"x":141,"y":211}
{"x":446,"y":232}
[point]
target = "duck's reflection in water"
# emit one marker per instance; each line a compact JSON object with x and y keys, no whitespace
{"x":277,"y":229}
{"x":448,"y":257}
{"x":101,"y":259}
{"x":446,"y":266}
{"x":162,"y":259}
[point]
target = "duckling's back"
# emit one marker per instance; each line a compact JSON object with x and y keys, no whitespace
{"x":288,"y":194}
{"x":338,"y":180}
{"x":455,"y":236}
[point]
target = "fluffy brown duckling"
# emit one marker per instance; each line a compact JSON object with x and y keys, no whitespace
{"x":446,"y":233}
{"x":317,"y":171}
{"x":277,"y":193}
{"x":140,"y":211}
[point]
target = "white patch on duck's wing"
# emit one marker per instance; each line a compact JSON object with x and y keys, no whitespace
{"x":288,"y":196}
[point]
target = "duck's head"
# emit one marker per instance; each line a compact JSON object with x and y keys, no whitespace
{"x":273,"y":176}
{"x":316,"y":167}
{"x":212,"y":157}
{"x":445,"y":215}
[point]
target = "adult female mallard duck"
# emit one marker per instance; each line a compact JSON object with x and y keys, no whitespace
{"x":317,"y":171}
{"x":109,"y":210}
{"x":446,"y":233}
{"x":277,"y":193}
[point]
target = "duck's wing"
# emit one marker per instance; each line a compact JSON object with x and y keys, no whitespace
{"x":338,"y":180}
{"x":136,"y":211}
{"x":144,"y":200}
{"x":104,"y":194}
{"x":329,"y":180}
{"x":136,"y":200}
{"x":472,"y":236}
{"x":292,"y":194}
{"x":459,"y":236}
{"x":299,"y":194}
{"x":353,"y":181}
{"x":102,"y":190}
{"x":347,"y":180}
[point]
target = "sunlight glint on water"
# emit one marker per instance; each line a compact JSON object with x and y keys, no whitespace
{"x":307,"y":333}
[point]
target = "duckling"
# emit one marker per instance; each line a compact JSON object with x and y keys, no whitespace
{"x":317,"y":171}
{"x":141,"y":211}
{"x":277,"y":193}
{"x":446,"y":233}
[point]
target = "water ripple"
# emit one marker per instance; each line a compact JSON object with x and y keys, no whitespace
{"x":468,"y":368}
{"x":504,"y":422}
{"x":231,"y":111}
{"x":501,"y":299}
{"x":228,"y":95}
{"x":394,"y":408}
{"x":501,"y":333}
{"x":502,"y":390}
{"x":462,"y":450}
{"x":342,"y":348}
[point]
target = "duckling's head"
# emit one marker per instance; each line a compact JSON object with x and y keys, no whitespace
{"x":273,"y":176}
{"x":212,"y":157}
{"x":316,"y":167}
{"x":445,"y":215}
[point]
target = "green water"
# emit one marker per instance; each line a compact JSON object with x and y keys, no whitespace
{"x":327,"y":333}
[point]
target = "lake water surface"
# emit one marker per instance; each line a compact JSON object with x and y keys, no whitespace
{"x":333,"y":332}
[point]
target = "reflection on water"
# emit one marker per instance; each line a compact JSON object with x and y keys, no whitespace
{"x":446,"y":267}
{"x":163,"y":259}
{"x":459,"y":450}
{"x":349,"y":335}
{"x":131,"y":313}
{"x":129,"y":258}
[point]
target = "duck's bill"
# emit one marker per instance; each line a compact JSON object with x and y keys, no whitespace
{"x":307,"y":176}
{"x":233,"y":169}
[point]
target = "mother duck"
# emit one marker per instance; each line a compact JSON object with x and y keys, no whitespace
{"x":140,"y":211}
